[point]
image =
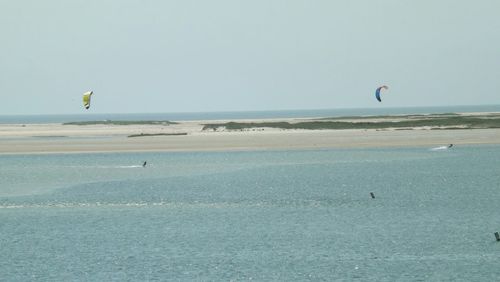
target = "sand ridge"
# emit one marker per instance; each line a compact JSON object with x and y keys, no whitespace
{"x":59,"y":138}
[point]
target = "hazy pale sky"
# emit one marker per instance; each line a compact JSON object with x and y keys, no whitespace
{"x":230,"y":55}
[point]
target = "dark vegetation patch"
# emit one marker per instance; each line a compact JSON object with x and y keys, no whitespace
{"x":156,"y":134}
{"x":435,"y":122}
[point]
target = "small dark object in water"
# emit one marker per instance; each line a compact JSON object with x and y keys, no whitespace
{"x":497,"y":236}
{"x":451,"y":145}
{"x":373,"y":195}
{"x":144,"y":164}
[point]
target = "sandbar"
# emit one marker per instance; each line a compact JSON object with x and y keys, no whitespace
{"x":190,"y":136}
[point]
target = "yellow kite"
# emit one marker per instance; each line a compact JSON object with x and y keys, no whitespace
{"x":86,"y":99}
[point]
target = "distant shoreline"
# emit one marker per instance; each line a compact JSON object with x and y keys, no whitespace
{"x":244,"y":114}
{"x":253,"y":134}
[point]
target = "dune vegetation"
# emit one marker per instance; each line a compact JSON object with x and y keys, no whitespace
{"x":156,"y":134}
{"x":439,"y":121}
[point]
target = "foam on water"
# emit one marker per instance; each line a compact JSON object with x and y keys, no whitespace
{"x":440,"y":148}
{"x":102,"y":166}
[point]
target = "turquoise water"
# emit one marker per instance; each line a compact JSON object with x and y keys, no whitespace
{"x":270,"y":215}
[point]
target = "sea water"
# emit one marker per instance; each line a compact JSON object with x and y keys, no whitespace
{"x":313,"y":113}
{"x":260,"y":215}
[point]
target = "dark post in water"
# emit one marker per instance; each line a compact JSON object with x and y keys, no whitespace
{"x":497,"y":236}
{"x":373,"y":195}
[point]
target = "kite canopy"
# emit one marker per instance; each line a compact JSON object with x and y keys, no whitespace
{"x":86,"y":99}
{"x":377,"y":92}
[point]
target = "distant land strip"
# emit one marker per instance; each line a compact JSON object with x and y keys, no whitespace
{"x":440,"y":121}
{"x":122,"y":122}
{"x":156,"y":134}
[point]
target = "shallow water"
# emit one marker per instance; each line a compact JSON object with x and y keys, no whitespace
{"x":270,"y":215}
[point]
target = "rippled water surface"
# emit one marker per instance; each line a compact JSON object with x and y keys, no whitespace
{"x":271,"y":215}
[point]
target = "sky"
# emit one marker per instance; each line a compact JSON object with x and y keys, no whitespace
{"x":246,"y":55}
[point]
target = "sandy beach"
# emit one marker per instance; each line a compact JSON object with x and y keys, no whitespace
{"x":59,"y":138}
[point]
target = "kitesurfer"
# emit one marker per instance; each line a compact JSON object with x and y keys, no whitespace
{"x":144,"y":164}
{"x":451,"y":145}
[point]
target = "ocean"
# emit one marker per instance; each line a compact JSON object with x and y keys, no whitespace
{"x":37,"y":119}
{"x":302,"y":215}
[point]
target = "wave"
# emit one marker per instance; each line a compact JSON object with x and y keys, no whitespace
{"x":117,"y":205}
{"x":105,"y":166}
{"x":195,"y":204}
{"x":440,"y":148}
{"x":128,"y":166}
